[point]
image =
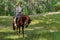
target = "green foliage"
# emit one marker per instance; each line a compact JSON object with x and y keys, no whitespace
{"x":29,"y":6}
{"x":57,"y":6}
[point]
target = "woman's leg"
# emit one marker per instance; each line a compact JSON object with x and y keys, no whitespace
{"x":15,"y":21}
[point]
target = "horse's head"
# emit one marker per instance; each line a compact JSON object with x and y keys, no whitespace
{"x":27,"y":23}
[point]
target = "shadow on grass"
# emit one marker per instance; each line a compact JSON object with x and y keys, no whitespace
{"x":47,"y":26}
{"x":39,"y":31}
{"x":30,"y":35}
{"x":5,"y":22}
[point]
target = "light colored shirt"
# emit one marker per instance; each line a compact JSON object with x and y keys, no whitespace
{"x":18,"y":9}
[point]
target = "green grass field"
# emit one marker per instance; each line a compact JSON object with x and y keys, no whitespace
{"x":41,"y":28}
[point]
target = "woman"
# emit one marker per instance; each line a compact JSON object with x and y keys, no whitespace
{"x":18,"y":12}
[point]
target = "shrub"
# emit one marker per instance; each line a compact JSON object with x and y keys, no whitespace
{"x":57,"y":7}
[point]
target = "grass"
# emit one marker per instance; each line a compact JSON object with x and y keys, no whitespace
{"x":41,"y":28}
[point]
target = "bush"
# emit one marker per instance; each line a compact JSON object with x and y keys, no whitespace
{"x":57,"y":7}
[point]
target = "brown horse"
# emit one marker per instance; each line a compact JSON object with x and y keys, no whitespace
{"x":23,"y":21}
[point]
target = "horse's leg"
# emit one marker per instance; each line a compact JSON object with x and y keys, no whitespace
{"x":13,"y":27}
{"x":18,"y":30}
{"x":23,"y":30}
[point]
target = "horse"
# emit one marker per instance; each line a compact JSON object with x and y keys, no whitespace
{"x":23,"y":21}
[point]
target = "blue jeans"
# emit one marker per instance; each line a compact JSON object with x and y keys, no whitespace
{"x":17,"y":15}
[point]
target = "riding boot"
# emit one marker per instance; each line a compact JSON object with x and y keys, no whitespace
{"x":16,"y":20}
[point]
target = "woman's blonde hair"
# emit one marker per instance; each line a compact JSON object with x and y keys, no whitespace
{"x":19,"y":3}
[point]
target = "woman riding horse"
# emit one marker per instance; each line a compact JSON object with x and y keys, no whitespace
{"x":23,"y":21}
{"x":18,"y":12}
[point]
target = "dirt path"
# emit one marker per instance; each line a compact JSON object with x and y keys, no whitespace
{"x":52,"y":13}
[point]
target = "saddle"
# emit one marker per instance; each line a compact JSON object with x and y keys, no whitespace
{"x":17,"y":19}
